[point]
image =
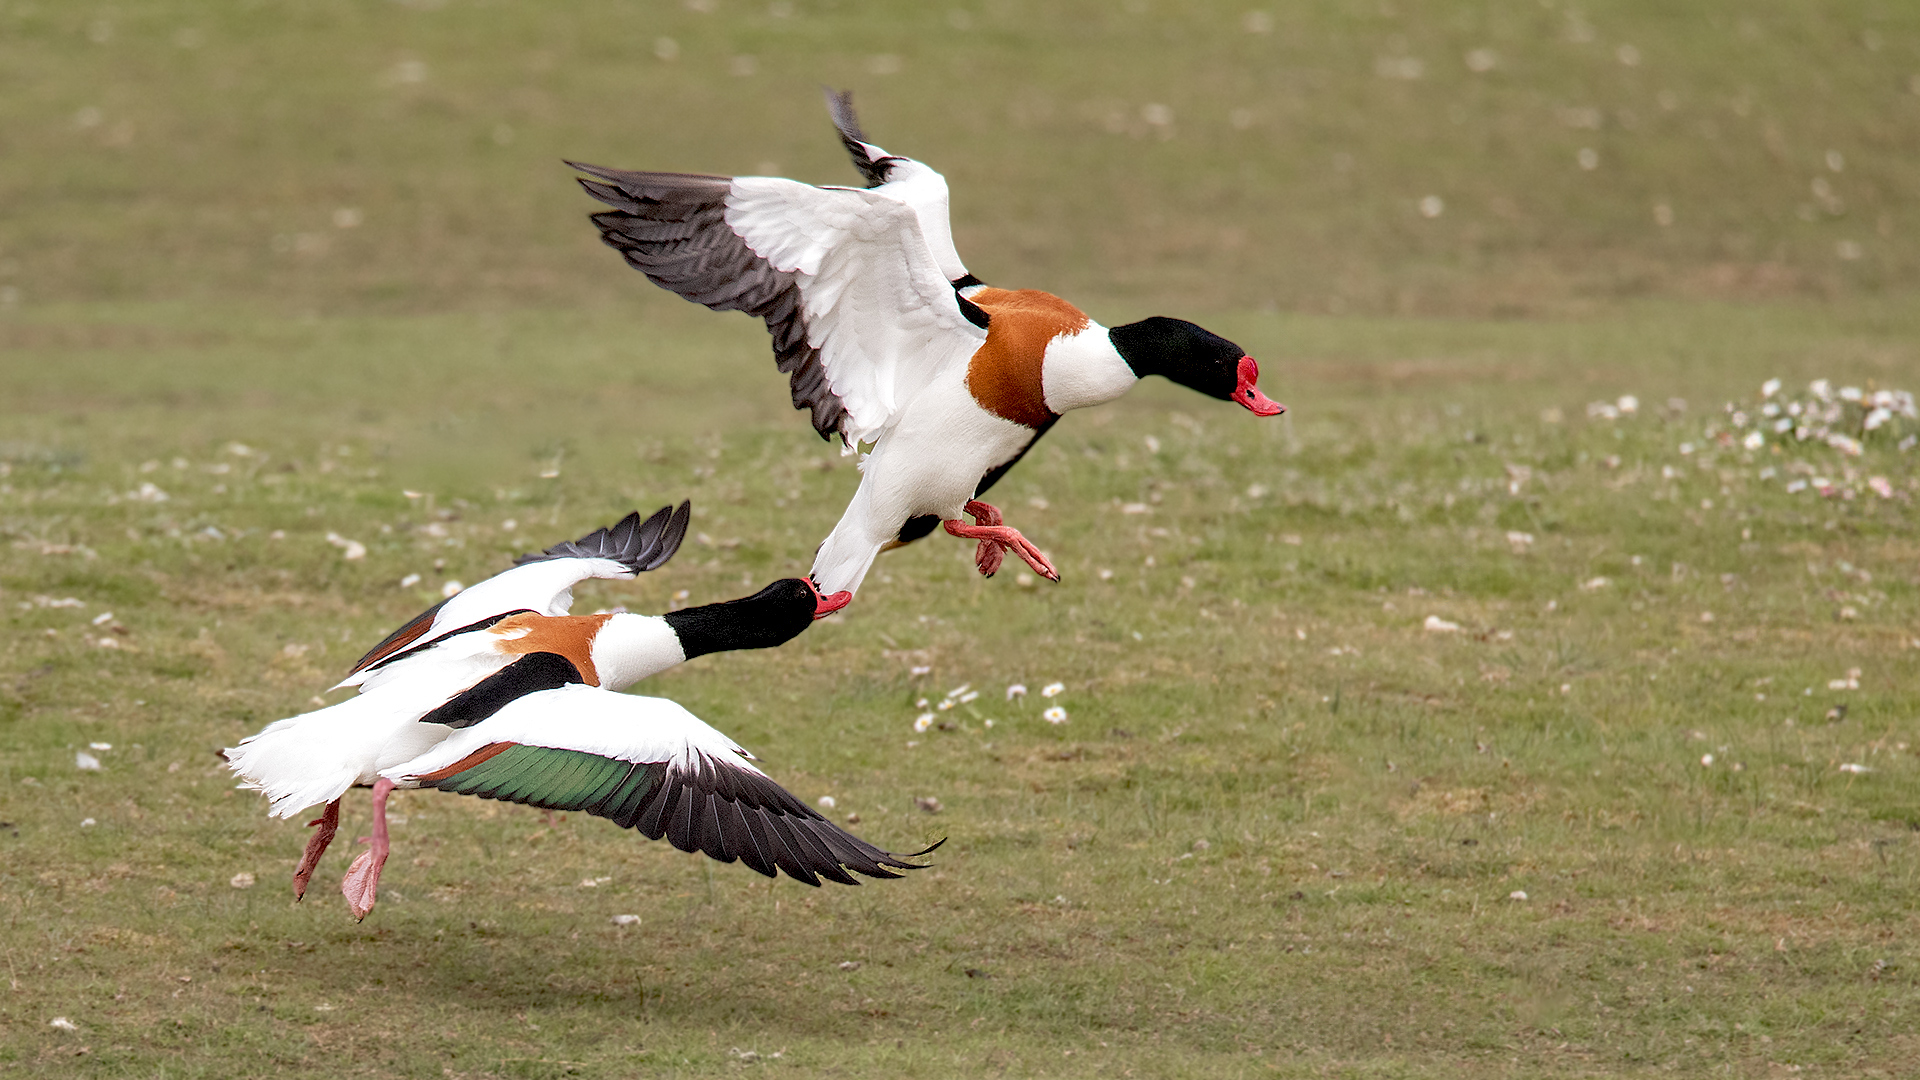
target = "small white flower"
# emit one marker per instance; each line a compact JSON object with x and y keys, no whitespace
{"x":451,"y":588}
{"x":1517,"y":895}
{"x":86,"y":762}
{"x":1706,"y":760}
{"x":1055,"y":715}
{"x":946,"y":704}
{"x":1770,"y":388}
{"x":958,"y":690}
{"x":61,"y":1023}
{"x":1593,"y":584}
{"x":88,"y":823}
{"x":1856,"y":768}
{"x":920,"y":670}
{"x":824,"y":802}
{"x":1053,"y":690}
{"x":1438,"y":625}
{"x":923,"y":721}
{"x":241,"y":880}
{"x":410,"y":581}
{"x":102,"y":746}
{"x":625,"y":920}
{"x":1628,"y":405}
{"x":1754,"y":440}
{"x":969,"y":696}
{"x":1016,"y":690}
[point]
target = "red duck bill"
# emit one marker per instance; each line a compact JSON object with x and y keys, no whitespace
{"x":1249,"y":395}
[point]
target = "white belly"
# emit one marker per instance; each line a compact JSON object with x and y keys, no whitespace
{"x":933,"y":459}
{"x":929,"y":462}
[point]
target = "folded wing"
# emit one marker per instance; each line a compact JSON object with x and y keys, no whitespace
{"x":650,"y":765}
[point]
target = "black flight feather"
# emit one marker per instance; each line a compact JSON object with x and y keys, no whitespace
{"x":637,"y":545}
{"x":874,"y":165}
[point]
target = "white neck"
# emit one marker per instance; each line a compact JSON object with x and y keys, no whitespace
{"x":1084,"y":369}
{"x":631,"y":647}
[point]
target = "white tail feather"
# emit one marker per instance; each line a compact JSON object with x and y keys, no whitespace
{"x":315,"y":757}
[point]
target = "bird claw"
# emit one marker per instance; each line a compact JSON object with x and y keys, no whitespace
{"x":362,"y":883}
{"x":328,"y":823}
{"x":995,"y":539}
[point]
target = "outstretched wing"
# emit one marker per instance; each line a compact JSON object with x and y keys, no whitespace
{"x":862,"y":317}
{"x":905,"y":180}
{"x":646,"y":764}
{"x":540,"y":583}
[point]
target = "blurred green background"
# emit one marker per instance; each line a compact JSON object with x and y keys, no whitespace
{"x":1362,"y":156}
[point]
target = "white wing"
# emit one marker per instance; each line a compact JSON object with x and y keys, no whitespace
{"x":540,"y":583}
{"x":878,"y":308}
{"x":860,"y":313}
{"x":647,"y":764}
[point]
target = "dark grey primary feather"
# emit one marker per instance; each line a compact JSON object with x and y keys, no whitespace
{"x":731,"y":813}
{"x":672,"y":227}
{"x":638,"y":545}
{"x":874,"y":168}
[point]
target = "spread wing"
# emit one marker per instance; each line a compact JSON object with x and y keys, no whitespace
{"x":646,"y":764}
{"x":541,"y":583}
{"x":905,"y":180}
{"x":861,"y":315}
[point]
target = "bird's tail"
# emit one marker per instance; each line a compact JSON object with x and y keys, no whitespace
{"x":299,"y":761}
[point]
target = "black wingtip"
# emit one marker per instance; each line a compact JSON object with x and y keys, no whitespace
{"x":638,"y":545}
{"x":872,"y":162}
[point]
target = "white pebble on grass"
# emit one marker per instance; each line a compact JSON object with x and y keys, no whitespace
{"x":349,"y":549}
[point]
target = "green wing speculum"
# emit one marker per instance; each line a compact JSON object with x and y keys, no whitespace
{"x":724,"y":810}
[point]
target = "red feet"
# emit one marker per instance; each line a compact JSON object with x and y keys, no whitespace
{"x":329,"y":823}
{"x":995,"y":539}
{"x":363,"y":877}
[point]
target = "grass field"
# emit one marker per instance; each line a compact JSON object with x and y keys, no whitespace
{"x":1448,"y":726}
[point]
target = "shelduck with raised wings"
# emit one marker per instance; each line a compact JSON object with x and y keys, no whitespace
{"x":888,"y":340}
{"x":500,"y":692}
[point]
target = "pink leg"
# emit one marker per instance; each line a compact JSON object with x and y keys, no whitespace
{"x":363,"y":877}
{"x":329,"y":823}
{"x":995,"y":538}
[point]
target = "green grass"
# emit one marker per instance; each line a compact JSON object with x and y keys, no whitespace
{"x":287,"y":262}
{"x":1365,"y":814}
